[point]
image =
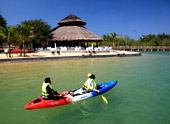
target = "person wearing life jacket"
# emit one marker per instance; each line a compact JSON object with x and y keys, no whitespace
{"x":48,"y":92}
{"x":90,"y":84}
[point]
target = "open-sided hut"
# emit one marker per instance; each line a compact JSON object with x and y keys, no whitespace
{"x":71,"y":32}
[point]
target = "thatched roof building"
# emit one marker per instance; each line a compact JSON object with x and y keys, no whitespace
{"x":71,"y":32}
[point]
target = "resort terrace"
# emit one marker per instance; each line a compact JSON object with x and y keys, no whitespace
{"x":67,"y":53}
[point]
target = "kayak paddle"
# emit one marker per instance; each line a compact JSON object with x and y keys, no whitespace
{"x":104,"y":99}
{"x":69,"y":100}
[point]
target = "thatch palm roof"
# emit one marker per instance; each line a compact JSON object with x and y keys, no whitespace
{"x":71,"y":20}
{"x":71,"y":29}
{"x":71,"y":33}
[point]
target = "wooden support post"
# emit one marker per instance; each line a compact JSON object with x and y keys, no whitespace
{"x":79,"y":43}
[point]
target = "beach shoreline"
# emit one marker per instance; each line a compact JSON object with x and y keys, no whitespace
{"x":47,"y":55}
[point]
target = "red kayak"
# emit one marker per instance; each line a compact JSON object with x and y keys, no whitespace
{"x":18,"y":50}
{"x":42,"y":103}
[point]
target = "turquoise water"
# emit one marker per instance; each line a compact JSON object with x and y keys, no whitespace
{"x":142,"y":95}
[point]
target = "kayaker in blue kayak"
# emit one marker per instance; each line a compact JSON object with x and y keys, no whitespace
{"x":48,"y":92}
{"x":89,"y":86}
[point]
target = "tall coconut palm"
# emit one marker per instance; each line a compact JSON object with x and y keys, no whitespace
{"x":113,"y":38}
{"x":7,"y":34}
{"x":24,"y":33}
{"x":105,"y":39}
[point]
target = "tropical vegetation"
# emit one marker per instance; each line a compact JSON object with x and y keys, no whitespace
{"x":2,"y":24}
{"x":114,"y":39}
{"x":29,"y":34}
{"x":40,"y":30}
{"x":7,"y":34}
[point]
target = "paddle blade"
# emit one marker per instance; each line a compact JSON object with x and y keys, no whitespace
{"x":69,"y":100}
{"x":104,"y":99}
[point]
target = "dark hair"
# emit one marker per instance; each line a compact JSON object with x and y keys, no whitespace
{"x":92,"y":76}
{"x":47,"y":80}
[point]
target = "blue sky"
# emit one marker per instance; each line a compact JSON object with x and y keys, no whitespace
{"x":132,"y":18}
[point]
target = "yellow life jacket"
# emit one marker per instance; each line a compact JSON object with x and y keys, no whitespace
{"x":44,"y":91}
{"x":87,"y":84}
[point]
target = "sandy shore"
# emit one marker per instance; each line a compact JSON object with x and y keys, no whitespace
{"x":47,"y":55}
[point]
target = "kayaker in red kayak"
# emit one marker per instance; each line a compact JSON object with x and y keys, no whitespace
{"x":48,"y":92}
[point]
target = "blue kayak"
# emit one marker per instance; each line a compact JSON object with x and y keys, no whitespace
{"x":106,"y":86}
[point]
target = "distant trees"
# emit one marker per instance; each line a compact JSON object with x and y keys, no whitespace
{"x":155,"y":40}
{"x":114,"y":39}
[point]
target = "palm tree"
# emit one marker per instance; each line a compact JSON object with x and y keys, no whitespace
{"x":24,"y":33}
{"x":7,"y":34}
{"x":113,"y":38}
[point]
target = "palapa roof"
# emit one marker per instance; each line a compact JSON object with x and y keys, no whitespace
{"x":71,"y":20}
{"x":71,"y":29}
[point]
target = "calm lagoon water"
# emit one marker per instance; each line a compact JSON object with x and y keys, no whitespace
{"x":142,"y":95}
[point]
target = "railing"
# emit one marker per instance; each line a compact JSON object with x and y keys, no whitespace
{"x":142,"y":47}
{"x":145,"y":48}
